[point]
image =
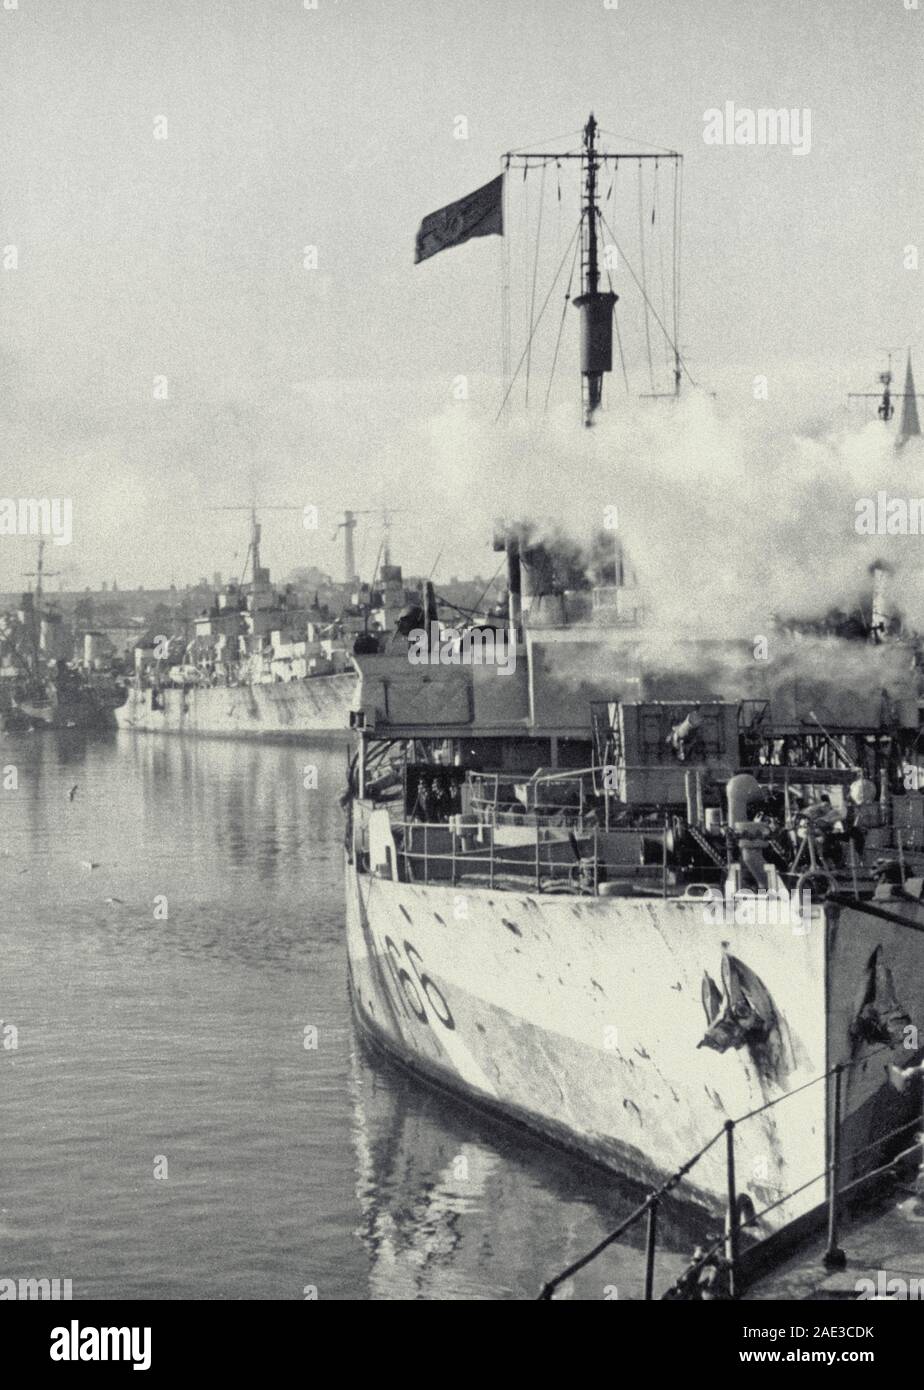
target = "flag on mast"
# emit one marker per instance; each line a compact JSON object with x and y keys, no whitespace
{"x":478,"y":214}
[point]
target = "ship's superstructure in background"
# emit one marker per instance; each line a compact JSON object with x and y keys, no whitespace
{"x":41,"y":685}
{"x":633,"y":888}
{"x":263,"y":662}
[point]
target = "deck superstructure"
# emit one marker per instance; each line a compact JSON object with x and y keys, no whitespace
{"x":630,"y":889}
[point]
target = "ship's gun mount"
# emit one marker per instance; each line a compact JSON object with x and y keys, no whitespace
{"x":649,"y":747}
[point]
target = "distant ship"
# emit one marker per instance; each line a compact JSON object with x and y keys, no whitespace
{"x":261,"y":665}
{"x":40,"y":685}
{"x":664,"y":908}
{"x":313,"y":705}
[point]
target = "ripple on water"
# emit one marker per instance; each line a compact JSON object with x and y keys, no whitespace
{"x":167,"y":1133}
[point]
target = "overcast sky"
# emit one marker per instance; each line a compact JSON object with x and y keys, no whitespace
{"x":334,"y":127}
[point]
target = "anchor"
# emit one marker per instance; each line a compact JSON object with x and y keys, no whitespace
{"x":878,"y":1017}
{"x":748,"y":1014}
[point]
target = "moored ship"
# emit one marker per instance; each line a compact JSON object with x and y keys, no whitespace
{"x":313,"y":705}
{"x":41,"y":687}
{"x":260,"y":663}
{"x":628,"y":890}
{"x":627,"y":954}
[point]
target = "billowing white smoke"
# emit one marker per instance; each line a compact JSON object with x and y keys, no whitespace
{"x":726,"y":524}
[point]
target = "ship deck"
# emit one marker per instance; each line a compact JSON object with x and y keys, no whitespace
{"x":882,"y":1242}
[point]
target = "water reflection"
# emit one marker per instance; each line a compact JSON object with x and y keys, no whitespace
{"x":457,"y":1206}
{"x":182,"y":1034}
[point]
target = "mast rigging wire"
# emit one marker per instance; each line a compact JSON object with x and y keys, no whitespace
{"x":489,"y":584}
{"x":641,"y":243}
{"x":525,"y":235}
{"x":505,"y":280}
{"x":678,"y":229}
{"x":659,"y":149}
{"x":622,"y":355}
{"x":539,"y":318}
{"x":246,"y":563}
{"x":532,"y":299}
{"x":564,"y":310}
{"x":666,"y":315}
{"x":439,"y":557}
{"x":660,"y":244}
{"x":568,"y":135}
{"x":654,"y":311}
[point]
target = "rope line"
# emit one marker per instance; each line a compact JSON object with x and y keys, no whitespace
{"x":561,"y":326}
{"x":641,"y":245}
{"x":532,"y":298}
{"x":678,"y":234}
{"x":659,"y":239}
{"x":622,"y":355}
{"x":654,"y":311}
{"x":568,"y":135}
{"x":538,"y":321}
{"x":505,"y":278}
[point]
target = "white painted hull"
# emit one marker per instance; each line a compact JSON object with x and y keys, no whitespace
{"x":581,"y":1019}
{"x":317,"y":705}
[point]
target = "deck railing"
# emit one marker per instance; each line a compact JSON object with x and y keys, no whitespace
{"x":487,"y":798}
{"x":727,"y":1245}
{"x":591,"y":789}
{"x":441,"y":850}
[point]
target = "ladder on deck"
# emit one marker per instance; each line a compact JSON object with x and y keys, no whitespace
{"x":705,"y":846}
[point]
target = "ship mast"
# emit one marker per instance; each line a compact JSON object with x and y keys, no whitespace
{"x":255,"y":553}
{"x":594,"y":305}
{"x":256,"y":587}
{"x":39,"y":571}
{"x":348,"y":526}
{"x":596,"y":309}
{"x":38,"y":574}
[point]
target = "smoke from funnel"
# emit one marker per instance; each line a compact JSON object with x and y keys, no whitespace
{"x":725,"y":523}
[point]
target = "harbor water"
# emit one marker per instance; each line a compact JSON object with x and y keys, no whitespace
{"x":187,"y":1109}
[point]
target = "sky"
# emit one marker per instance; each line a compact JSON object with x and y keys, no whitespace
{"x":164,"y":349}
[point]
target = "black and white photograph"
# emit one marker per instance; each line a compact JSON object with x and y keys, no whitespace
{"x":462,"y":664}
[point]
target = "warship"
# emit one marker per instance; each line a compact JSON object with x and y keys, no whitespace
{"x":41,"y":687}
{"x":258,"y":665}
{"x":632,"y":894}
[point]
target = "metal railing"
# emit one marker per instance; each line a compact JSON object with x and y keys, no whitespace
{"x":729,"y":1241}
{"x":494,"y":793}
{"x":424,"y":846}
